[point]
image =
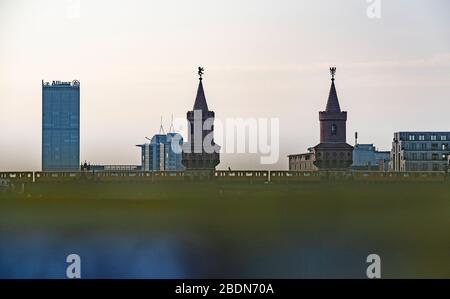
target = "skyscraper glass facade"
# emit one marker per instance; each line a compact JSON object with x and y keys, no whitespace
{"x":60,"y":126}
{"x":163,"y":153}
{"x":173,"y":151}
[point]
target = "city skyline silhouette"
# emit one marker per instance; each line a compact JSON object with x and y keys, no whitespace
{"x":137,"y":62}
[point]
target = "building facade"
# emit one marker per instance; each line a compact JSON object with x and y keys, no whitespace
{"x":420,"y":151}
{"x":200,"y":152}
{"x":333,"y":152}
{"x":367,"y":157}
{"x":162,"y":153}
{"x":174,"y":152}
{"x":60,"y":126}
{"x":448,"y":163}
{"x":303,"y":162}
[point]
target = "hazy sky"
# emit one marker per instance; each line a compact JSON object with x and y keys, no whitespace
{"x":137,"y":60}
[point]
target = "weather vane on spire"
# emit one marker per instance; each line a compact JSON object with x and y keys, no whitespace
{"x":332,"y":72}
{"x":201,"y":71}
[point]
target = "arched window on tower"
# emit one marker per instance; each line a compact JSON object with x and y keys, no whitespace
{"x":333,"y":129}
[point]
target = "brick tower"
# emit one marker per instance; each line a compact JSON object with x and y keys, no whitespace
{"x":333,"y":152}
{"x":200,"y":153}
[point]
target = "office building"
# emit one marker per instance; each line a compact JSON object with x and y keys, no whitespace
{"x":367,"y":157}
{"x":60,"y":126}
{"x":420,"y":151}
{"x":163,"y":152}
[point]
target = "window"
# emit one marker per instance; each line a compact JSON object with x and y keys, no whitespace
{"x":443,"y":138}
{"x":421,"y":137}
{"x":423,"y":146}
{"x":433,"y":138}
{"x":333,"y":129}
{"x":411,"y":137}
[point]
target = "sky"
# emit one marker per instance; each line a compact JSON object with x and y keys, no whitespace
{"x":137,"y":61}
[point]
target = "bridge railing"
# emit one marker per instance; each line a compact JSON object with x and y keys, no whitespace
{"x":18,"y":176}
{"x":242,"y":175}
{"x":224,"y":175}
{"x":303,"y":176}
{"x":139,"y":175}
{"x":295,"y":176}
{"x":56,"y":176}
{"x":119,"y":175}
{"x":399,"y":176}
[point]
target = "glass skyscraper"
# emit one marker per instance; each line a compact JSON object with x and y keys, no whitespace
{"x":60,"y":126}
{"x":163,"y":153}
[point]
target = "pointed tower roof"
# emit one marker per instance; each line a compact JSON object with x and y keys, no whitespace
{"x":200,"y":99}
{"x":333,"y":102}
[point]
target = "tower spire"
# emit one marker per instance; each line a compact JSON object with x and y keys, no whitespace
{"x":333,"y":102}
{"x":199,"y":153}
{"x":200,"y":99}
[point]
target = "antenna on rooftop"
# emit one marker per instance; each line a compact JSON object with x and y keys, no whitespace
{"x":161,"y":128}
{"x":171,"y":129}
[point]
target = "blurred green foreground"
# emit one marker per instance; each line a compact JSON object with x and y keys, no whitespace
{"x":253,"y":230}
